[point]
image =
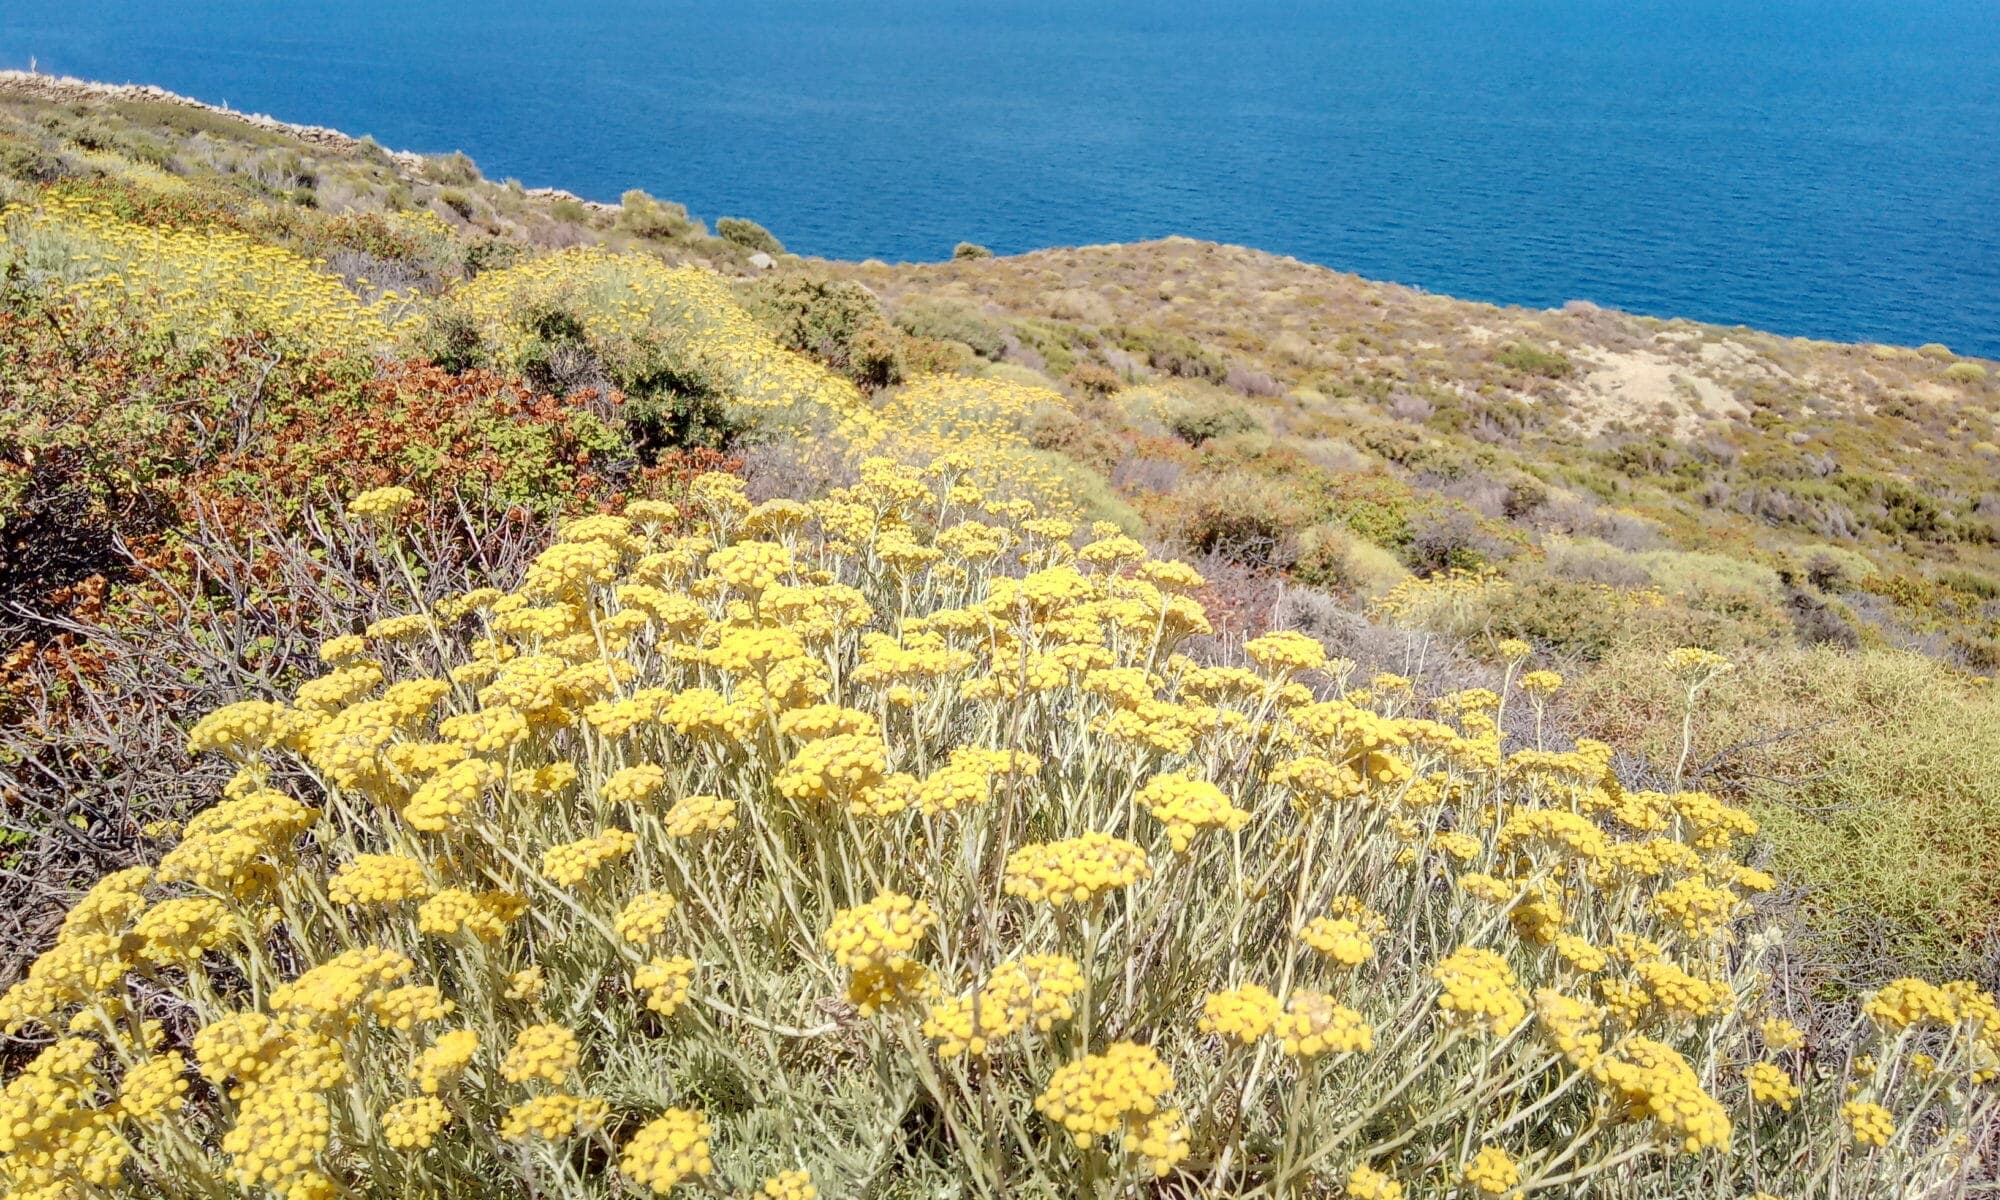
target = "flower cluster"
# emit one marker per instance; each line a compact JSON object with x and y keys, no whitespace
{"x":1123,"y":1092}
{"x":909,"y":829}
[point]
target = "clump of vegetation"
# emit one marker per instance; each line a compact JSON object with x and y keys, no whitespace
{"x":970,"y":250}
{"x":1873,"y":774}
{"x":748,"y":234}
{"x":949,"y":320}
{"x":833,"y":320}
{"x":1533,"y":360}
{"x":644,"y":217}
{"x":654,"y":857}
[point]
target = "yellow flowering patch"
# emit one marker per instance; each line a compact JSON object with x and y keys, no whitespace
{"x":915,"y":840}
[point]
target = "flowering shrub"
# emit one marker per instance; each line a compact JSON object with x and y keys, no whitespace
{"x":644,"y":319}
{"x":740,"y":842}
{"x":206,"y":283}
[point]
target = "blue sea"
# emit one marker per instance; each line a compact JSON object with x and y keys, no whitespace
{"x":1828,"y":168}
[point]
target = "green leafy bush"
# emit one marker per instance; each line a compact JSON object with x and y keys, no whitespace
{"x":954,"y":321}
{"x":661,"y":220}
{"x":1532,"y":360}
{"x":748,"y":234}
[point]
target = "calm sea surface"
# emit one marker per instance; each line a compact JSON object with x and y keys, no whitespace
{"x":1820,"y":167}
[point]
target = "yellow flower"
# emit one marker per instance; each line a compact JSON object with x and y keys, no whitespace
{"x":1121,"y":1091}
{"x":1656,"y":1081}
{"x":1366,"y":1183}
{"x":1312,"y":1024}
{"x":527,"y":984}
{"x":1539,"y":683}
{"x":573,"y":862}
{"x":668,"y":1150}
{"x":666,"y":982}
{"x":1781,"y":1035}
{"x":554,"y":1117}
{"x":279,"y":1132}
{"x":1074,"y":871}
{"x":1867,"y":1123}
{"x":1693,"y":661}
{"x":382,"y":503}
{"x":751,"y":566}
{"x":789,"y":1185}
{"x":1037,"y":990}
{"x":1908,"y":1002}
{"x":1348,"y":937}
{"x":1491,"y":1172}
{"x":1770,"y":1084}
{"x":693,"y":816}
{"x":878,"y":932}
{"x":1241,"y":1014}
{"x":378,"y":879}
{"x":1478,"y":988}
{"x":153,"y":1086}
{"x":413,"y":1124}
{"x":1187,"y":805}
{"x":445,"y":1060}
{"x":834,"y":767}
{"x":633,"y":785}
{"x":547,"y":1052}
{"x":645,"y":917}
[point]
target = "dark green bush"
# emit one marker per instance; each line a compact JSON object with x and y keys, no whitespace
{"x":458,"y":201}
{"x":1243,"y":516}
{"x":450,"y":338}
{"x":953,"y":321}
{"x":824,"y":317}
{"x":970,"y":250}
{"x":748,"y":234}
{"x":679,"y":408}
{"x":1175,"y":354}
{"x":1195,"y":419}
{"x":1532,"y":360}
{"x":659,"y":220}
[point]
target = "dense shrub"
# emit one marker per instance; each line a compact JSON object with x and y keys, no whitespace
{"x":1175,"y":354}
{"x":748,"y":234}
{"x":1533,"y":360}
{"x":451,"y":170}
{"x":837,"y":322}
{"x":969,"y":250}
{"x":642,"y":216}
{"x":1242,"y":516}
{"x":1197,"y":417}
{"x":1877,"y":776}
{"x":638,"y":877}
{"x":953,"y":320}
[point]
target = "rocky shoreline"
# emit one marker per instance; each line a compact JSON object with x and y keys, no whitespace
{"x":64,"y":89}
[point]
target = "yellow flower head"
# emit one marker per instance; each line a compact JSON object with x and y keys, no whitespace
{"x":878,"y":932}
{"x":1074,"y":871}
{"x":547,"y":1052}
{"x":669,"y":1149}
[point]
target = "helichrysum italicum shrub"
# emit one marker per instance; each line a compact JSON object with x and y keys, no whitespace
{"x":895,"y":840}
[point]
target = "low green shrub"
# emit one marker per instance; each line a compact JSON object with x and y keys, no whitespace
{"x":748,"y":234}
{"x":1876,"y":776}
{"x":954,"y":321}
{"x":1532,"y":360}
{"x":657,"y":220}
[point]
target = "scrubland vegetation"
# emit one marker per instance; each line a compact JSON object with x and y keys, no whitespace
{"x":508,"y":696}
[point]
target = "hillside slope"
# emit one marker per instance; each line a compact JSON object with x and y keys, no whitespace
{"x":210,"y":319}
